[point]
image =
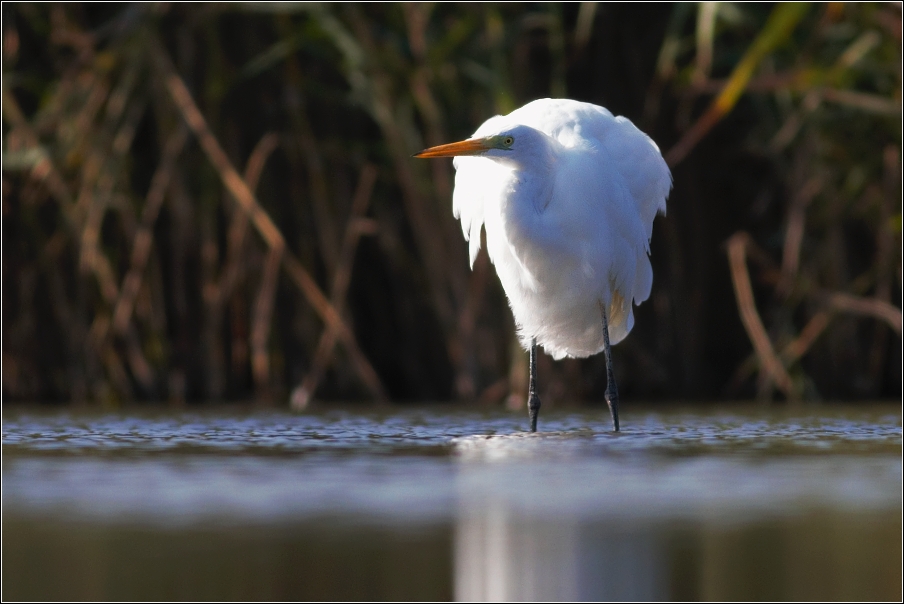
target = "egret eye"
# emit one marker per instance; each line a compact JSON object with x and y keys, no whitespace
{"x":508,"y":141}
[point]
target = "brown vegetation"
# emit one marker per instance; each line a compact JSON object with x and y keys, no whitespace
{"x":210,"y":202}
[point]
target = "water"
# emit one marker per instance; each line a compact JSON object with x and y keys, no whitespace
{"x":443,"y":503}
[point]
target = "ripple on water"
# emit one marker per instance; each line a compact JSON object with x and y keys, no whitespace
{"x":443,"y":432}
{"x":433,"y":464}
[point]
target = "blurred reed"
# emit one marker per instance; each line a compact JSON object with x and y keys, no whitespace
{"x":217,"y":202}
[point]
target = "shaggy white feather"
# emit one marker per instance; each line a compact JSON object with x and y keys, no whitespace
{"x":568,"y":212}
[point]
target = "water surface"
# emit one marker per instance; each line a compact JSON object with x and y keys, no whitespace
{"x":439,"y":503}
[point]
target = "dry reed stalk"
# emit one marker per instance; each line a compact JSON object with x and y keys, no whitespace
{"x":239,"y":224}
{"x":239,"y":190}
{"x":666,"y":64}
{"x":91,"y":256}
{"x":260,"y":321}
{"x":98,"y":199}
{"x":144,"y":237}
{"x":100,"y":90}
{"x":430,"y":237}
{"x":326,"y":227}
{"x":794,"y":233}
{"x":584,"y":26}
{"x":63,"y":33}
{"x":44,"y":169}
{"x":461,"y":341}
{"x":872,"y":103}
{"x":416,"y":19}
{"x":706,"y":26}
{"x":301,"y":396}
{"x":303,"y":140}
{"x":100,"y":266}
{"x":818,"y":323}
{"x":99,"y":158}
{"x":211,"y":337}
{"x":793,"y":123}
{"x":868,"y":307}
{"x":434,"y":236}
{"x":48,"y":118}
{"x":496,"y":392}
{"x":139,"y":365}
{"x":771,"y":368}
{"x":812,"y":330}
{"x":47,"y":173}
{"x":116,"y":371}
{"x":791,"y":352}
{"x":232,"y":273}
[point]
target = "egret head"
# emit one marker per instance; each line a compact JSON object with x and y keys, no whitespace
{"x":510,"y":144}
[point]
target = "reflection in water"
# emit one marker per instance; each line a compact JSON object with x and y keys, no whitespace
{"x":502,"y":557}
{"x":528,"y":528}
{"x":412,"y":506}
{"x":820,"y":555}
{"x":615,"y":527}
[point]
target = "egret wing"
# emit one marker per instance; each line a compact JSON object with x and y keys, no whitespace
{"x":636,"y":156}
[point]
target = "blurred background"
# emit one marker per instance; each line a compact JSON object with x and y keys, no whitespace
{"x":218,"y":202}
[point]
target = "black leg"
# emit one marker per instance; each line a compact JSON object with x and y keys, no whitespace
{"x":533,"y":399}
{"x":611,"y":388}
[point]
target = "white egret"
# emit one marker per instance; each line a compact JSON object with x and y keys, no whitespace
{"x":567,"y":194}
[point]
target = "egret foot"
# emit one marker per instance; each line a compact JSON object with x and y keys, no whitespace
{"x":611,"y":388}
{"x":533,"y":399}
{"x":612,"y":401}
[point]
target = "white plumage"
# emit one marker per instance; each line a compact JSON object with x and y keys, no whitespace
{"x":568,"y":209}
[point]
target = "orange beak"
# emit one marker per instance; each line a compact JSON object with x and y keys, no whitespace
{"x":472,"y":146}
